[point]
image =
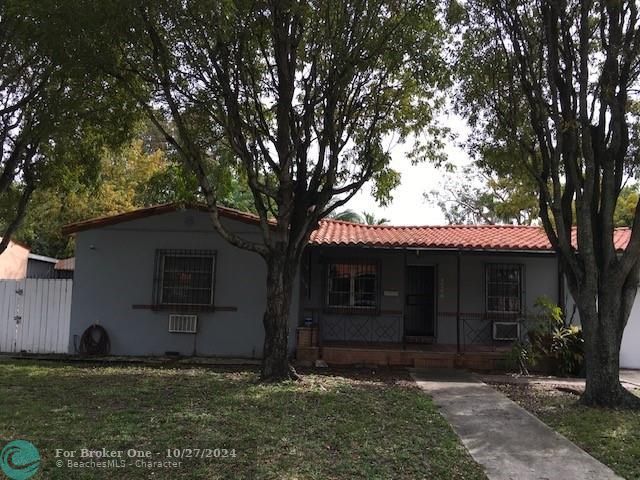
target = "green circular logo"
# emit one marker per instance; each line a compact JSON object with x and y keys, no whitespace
{"x":19,"y":460}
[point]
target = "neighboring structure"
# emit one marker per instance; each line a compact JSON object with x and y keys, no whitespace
{"x":40,"y":266}
{"x":64,"y":268}
{"x":630,"y":350}
{"x":13,"y":261}
{"x":17,"y":262}
{"x":162,"y":280}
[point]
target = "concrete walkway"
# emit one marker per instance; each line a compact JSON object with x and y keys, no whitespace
{"x":630,"y":379}
{"x":509,"y":442}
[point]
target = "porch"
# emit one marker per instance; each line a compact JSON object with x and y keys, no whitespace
{"x":418,"y":352}
{"x":420,"y":307}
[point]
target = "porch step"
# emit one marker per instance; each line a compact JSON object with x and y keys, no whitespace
{"x":335,"y":355}
{"x":421,"y":339}
{"x":431,"y":361}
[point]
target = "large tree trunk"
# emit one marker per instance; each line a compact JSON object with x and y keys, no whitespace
{"x":275,"y":360}
{"x":603,"y":325}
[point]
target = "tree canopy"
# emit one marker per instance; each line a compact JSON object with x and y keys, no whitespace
{"x":139,"y":174}
{"x":470,"y":195}
{"x":54,"y":114}
{"x":301,"y":95}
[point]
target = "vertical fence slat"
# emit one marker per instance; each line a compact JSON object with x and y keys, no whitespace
{"x":50,"y":325}
{"x":19,"y":309}
{"x":65,"y":316}
{"x":53,"y":330}
{"x":7,"y":313}
{"x":45,"y":318}
{"x":31,"y":315}
{"x":40,"y":319}
{"x":18,"y":312}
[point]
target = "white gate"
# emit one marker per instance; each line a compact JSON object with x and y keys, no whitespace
{"x":35,"y":315}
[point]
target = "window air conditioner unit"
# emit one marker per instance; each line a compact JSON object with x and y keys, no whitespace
{"x":183,"y":323}
{"x":506,"y":330}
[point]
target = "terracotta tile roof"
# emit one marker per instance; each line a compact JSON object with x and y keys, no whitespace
{"x":68,"y":264}
{"x":341,"y":233}
{"x":467,"y":237}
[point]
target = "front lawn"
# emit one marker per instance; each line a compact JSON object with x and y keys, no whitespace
{"x":611,"y":436}
{"x":343,"y":425}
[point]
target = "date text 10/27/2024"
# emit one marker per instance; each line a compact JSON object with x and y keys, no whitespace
{"x":175,"y":453}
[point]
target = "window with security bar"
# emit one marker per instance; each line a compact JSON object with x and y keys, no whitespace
{"x":352,"y":286}
{"x":504,"y":289}
{"x":184,"y":277}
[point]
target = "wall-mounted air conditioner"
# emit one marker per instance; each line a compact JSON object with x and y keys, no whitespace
{"x":506,"y":330}
{"x":183,"y":323}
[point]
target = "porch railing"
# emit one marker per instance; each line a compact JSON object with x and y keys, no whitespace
{"x":477,"y":330}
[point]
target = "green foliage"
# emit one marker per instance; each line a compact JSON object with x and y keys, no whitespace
{"x":519,"y":358}
{"x":477,"y":195}
{"x":551,"y":345}
{"x":347,"y":216}
{"x":626,"y":206}
{"x":355,"y":217}
{"x":124,"y":179}
{"x":555,"y":342}
{"x":482,"y":194}
{"x":56,"y":115}
{"x":309,"y":127}
{"x":371,"y":219}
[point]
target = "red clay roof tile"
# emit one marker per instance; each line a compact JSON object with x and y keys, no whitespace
{"x":468,"y":237}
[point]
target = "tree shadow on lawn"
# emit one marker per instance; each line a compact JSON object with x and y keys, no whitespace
{"x":333,"y":424}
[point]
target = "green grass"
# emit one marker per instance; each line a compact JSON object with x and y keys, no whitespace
{"x":612,"y":436}
{"x":343,"y":425}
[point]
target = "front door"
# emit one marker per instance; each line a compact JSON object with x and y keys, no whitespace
{"x":420,"y":298}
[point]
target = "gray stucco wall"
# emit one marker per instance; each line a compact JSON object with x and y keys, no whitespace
{"x":540,"y":279}
{"x":115,"y":270}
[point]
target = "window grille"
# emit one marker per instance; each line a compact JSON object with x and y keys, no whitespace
{"x":504,"y":289}
{"x":184,"y":277}
{"x":352,"y":286}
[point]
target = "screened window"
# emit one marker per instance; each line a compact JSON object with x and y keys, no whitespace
{"x":184,"y":277}
{"x":352,"y":286}
{"x":504,"y":288}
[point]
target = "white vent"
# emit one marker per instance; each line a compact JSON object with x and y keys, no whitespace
{"x":183,"y":323}
{"x":506,"y":330}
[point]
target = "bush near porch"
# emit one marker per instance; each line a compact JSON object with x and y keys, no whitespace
{"x":331,"y":426}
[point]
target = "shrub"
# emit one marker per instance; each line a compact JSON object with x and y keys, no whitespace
{"x":552,"y":345}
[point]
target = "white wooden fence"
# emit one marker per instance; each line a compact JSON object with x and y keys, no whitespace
{"x":35,"y":315}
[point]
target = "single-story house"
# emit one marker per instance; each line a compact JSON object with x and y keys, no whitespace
{"x":161,"y":280}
